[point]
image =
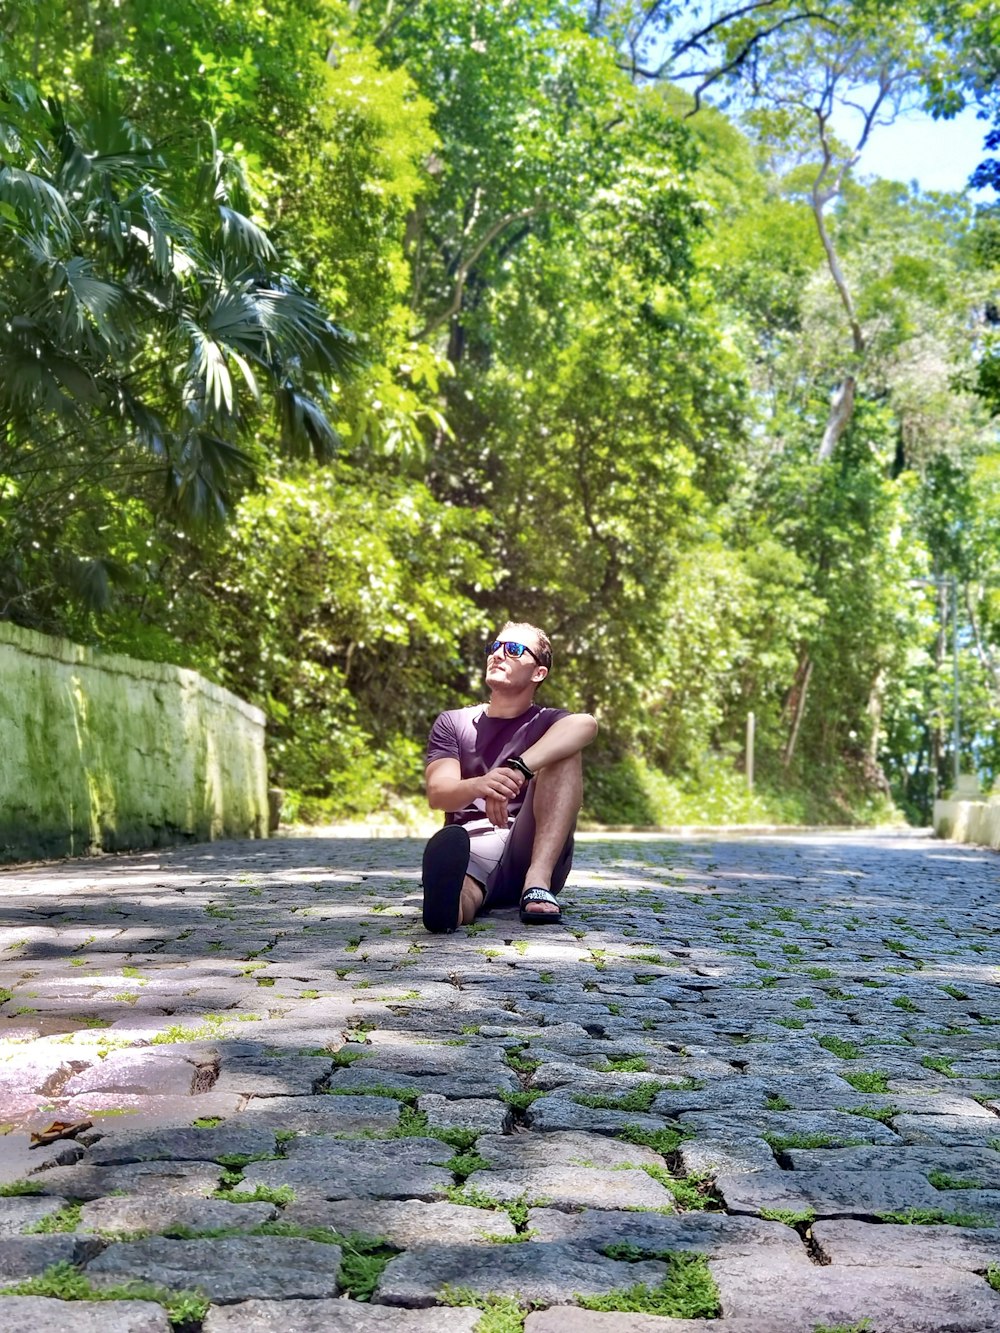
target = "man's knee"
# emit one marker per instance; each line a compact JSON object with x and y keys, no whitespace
{"x":565,"y":770}
{"x":564,"y":777}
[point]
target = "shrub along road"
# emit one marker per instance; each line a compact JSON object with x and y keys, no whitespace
{"x":748,"y":1085}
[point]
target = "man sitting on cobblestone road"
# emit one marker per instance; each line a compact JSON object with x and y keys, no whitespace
{"x":509,"y":775}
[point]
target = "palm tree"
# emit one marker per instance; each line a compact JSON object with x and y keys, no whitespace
{"x":149,"y":355}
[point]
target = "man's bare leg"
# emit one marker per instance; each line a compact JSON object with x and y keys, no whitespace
{"x":557,"y":799}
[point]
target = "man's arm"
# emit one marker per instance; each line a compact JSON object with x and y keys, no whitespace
{"x":448,"y":790}
{"x":569,"y":735}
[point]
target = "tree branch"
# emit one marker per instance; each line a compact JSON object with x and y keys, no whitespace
{"x":463,"y":269}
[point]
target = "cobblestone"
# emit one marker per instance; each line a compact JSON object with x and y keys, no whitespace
{"x":766,"y":1052}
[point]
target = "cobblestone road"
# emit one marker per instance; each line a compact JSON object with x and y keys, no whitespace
{"x":751,"y":1086}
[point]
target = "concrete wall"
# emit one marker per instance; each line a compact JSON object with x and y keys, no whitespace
{"x":969,"y":820}
{"x":109,"y":752}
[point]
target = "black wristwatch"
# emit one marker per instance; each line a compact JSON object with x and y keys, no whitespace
{"x":515,"y":761}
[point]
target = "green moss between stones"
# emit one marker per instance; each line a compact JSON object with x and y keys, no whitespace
{"x":686,"y":1292}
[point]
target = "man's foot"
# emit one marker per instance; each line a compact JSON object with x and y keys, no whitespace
{"x":539,"y":908}
{"x":446,"y":859}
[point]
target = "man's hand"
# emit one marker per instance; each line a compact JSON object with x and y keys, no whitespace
{"x":497,"y":787}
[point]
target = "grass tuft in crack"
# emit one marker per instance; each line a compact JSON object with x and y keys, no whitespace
{"x":185,"y":1309}
{"x":500,"y":1314}
{"x":789,"y":1216}
{"x":929,"y":1217}
{"x":686,"y":1292}
{"x":66,"y":1219}
{"x":641,"y":1097}
{"x":362,"y":1261}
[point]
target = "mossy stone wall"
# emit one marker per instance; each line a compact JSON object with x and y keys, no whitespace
{"x":969,"y":820}
{"x":110,"y":752}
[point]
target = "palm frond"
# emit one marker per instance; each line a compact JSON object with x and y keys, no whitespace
{"x":92,"y":580}
{"x":201,"y":480}
{"x":305,"y":428}
{"x":207,"y":378}
{"x":298,"y":326}
{"x":244,"y":236}
{"x":93,"y":296}
{"x":36,"y":199}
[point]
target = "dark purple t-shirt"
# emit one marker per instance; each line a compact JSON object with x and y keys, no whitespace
{"x":480,"y":743}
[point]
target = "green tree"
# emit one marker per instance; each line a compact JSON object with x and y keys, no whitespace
{"x":139,"y":352}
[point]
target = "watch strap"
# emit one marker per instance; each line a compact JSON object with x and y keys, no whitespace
{"x":515,"y":761}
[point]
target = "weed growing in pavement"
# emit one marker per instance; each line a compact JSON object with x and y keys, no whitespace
{"x":344,"y":1057}
{"x":66,"y":1283}
{"x":941,"y":1180}
{"x":775,"y":1102}
{"x":463,"y":1164}
{"x":939,"y":1064}
{"x":229,"y":1189}
{"x":781,"y":1142}
{"x":520,"y":1101}
{"x":820,"y":973}
{"x":789,"y":1216}
{"x":239,"y":1161}
{"x":686,"y":1292}
{"x":955,"y":993}
{"x":501,"y":1314}
{"x":795,"y":1023}
{"x":624,"y":1064}
{"x":640,"y":1098}
{"x":929,"y":1217}
{"x":904,"y":1002}
{"x":408,"y":1095}
{"x":993,"y":1276}
{"x":691,"y":1193}
{"x":514,"y":1060}
{"x":803,"y":1002}
{"x":206,"y":1122}
{"x":844,"y":1050}
{"x":66,"y":1219}
{"x":362,"y":1261}
{"x":546,"y":978}
{"x":868,"y":1080}
{"x":663,"y":1141}
{"x":862,"y":1326}
{"x":882,"y":1113}
{"x":18,"y":1187}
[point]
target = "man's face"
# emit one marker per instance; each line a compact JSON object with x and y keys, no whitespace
{"x":504,"y":669}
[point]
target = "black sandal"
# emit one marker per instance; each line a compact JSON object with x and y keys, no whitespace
{"x":446,"y":859}
{"x":540,"y":918}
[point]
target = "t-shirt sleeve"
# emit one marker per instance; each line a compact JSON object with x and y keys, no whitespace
{"x":544,"y":720}
{"x":443,"y":740}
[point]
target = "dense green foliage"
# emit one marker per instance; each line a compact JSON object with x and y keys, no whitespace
{"x":330,"y":335}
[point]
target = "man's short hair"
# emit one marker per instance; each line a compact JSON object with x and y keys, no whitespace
{"x":544,"y":645}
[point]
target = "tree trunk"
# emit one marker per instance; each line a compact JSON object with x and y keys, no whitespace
{"x":841,"y":411}
{"x":982,"y":652}
{"x":796,"y":705}
{"x":937,"y":723}
{"x":874,"y":711}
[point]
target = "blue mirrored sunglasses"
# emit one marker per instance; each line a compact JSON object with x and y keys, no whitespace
{"x":510,"y":649}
